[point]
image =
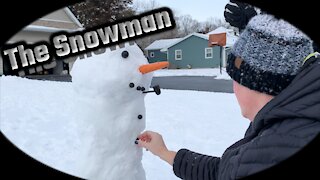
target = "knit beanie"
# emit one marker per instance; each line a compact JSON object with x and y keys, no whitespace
{"x":270,"y":52}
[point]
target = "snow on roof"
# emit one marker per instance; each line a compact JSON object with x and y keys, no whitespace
{"x":231,"y":38}
{"x":220,"y":30}
{"x":162,"y":43}
{"x":203,"y":36}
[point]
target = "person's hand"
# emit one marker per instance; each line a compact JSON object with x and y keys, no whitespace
{"x":238,"y":14}
{"x":153,"y":142}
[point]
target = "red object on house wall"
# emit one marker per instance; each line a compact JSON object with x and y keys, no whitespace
{"x":218,"y":39}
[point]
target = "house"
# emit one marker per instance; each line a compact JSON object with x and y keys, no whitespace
{"x":154,"y":52}
{"x":192,"y":51}
{"x":40,"y":30}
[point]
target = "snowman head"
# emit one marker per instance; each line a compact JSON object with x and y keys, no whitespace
{"x":119,"y":74}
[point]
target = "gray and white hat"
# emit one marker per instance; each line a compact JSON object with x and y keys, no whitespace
{"x":271,"y":51}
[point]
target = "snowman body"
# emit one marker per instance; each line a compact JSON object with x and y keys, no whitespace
{"x":111,"y":113}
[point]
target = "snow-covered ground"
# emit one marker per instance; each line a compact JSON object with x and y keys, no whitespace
{"x":34,"y":116}
{"x":215,"y":72}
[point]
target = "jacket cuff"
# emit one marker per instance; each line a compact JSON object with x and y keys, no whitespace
{"x":178,"y":161}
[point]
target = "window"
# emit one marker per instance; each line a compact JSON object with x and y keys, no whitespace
{"x":208,"y":53}
{"x":178,"y":54}
{"x":151,"y":54}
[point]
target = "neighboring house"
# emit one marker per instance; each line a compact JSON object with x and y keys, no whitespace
{"x":192,"y":51}
{"x":153,"y":50}
{"x":41,"y":29}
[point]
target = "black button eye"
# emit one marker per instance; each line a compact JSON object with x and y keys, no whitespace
{"x":131,"y":85}
{"x":125,"y":54}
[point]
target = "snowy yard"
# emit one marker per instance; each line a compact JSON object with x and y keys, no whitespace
{"x":215,"y":72}
{"x":33,"y":116}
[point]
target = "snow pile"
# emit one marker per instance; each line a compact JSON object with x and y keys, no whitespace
{"x":36,"y":117}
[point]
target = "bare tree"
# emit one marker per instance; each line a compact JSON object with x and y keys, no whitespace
{"x":187,"y":25}
{"x":140,"y":6}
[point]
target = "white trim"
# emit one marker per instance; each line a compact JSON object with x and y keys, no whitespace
{"x":224,"y":60}
{"x":205,"y":53}
{"x":54,"y":20}
{"x":151,"y":54}
{"x":73,"y":18}
{"x":46,"y":29}
{"x":175,"y":55}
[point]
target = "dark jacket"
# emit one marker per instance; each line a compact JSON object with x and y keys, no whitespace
{"x":281,"y":128}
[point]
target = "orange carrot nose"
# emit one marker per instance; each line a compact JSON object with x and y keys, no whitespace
{"x":144,"y":69}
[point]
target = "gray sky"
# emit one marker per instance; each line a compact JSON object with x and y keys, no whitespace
{"x":198,"y":9}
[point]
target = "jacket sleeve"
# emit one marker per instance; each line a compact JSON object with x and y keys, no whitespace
{"x":189,"y":165}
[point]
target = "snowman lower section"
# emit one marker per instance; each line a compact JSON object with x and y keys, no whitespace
{"x":110,"y":152}
{"x":114,"y":164}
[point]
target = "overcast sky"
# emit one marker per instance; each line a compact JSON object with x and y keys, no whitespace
{"x":198,"y":9}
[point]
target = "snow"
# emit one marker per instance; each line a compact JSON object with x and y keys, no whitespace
{"x":220,"y":30}
{"x":36,"y":116}
{"x":215,"y":72}
{"x":162,"y":43}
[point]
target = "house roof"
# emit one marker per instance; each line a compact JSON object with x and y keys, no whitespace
{"x":52,"y":23}
{"x":203,"y":36}
{"x":162,"y":43}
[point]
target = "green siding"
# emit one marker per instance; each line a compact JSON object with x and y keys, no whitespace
{"x":158,"y":56}
{"x":193,"y":53}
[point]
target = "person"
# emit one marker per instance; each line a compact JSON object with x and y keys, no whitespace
{"x":277,"y":89}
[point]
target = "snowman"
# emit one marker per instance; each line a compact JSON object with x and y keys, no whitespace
{"x":110,"y":111}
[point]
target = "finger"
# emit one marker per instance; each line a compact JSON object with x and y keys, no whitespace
{"x":143,"y":144}
{"x":144,"y":134}
{"x":233,"y":2}
{"x":241,"y":5}
{"x":233,"y":9}
{"x":232,"y":20}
